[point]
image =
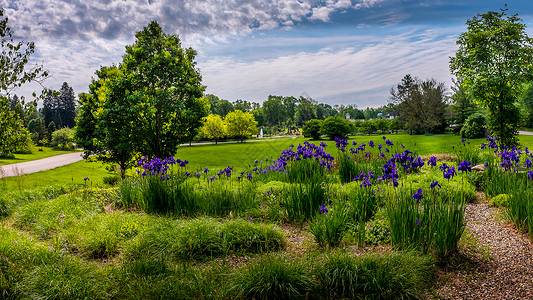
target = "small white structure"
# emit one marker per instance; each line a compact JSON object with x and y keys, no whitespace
{"x":347,"y":116}
{"x":261,"y":133}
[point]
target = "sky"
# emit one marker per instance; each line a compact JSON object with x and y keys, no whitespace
{"x":346,"y":52}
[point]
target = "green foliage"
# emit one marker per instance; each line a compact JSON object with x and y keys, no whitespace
{"x":46,"y":217}
{"x":13,"y":135}
{"x":526,"y":103}
{"x":329,"y":227}
{"x":434,"y":224}
{"x":272,"y":277}
{"x":240,"y":124}
{"x":467,"y":151}
{"x":493,"y":59}
{"x":377,"y":230}
{"x":462,"y":105}
{"x":312,"y":129}
{"x":501,"y":200}
{"x":173,"y":196}
{"x":361,"y":204}
{"x":347,"y":168}
{"x":148,"y":104}
{"x":336,"y":127}
{"x":420,"y":103}
{"x":203,"y":238}
{"x":474,"y":126}
{"x":214,"y":128}
{"x":62,"y":137}
{"x":400,"y":275}
{"x":305,"y":171}
{"x":111,"y":180}
{"x":303,"y":201}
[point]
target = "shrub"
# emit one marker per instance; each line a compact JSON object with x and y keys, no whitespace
{"x":502,"y":200}
{"x":312,"y":129}
{"x":336,"y":127}
{"x":474,"y":126}
{"x":62,"y":137}
{"x":111,"y":180}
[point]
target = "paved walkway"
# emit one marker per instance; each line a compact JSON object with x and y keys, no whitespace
{"x":40,"y":164}
{"x":525,"y":132}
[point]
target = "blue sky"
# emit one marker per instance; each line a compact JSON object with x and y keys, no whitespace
{"x":335,"y":51}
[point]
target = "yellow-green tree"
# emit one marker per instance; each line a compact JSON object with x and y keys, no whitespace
{"x":240,"y":124}
{"x":214,"y":128}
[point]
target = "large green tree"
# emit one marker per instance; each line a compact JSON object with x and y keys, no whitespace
{"x":526,"y":102}
{"x":462,"y":105}
{"x":494,"y":59}
{"x":147,"y":105}
{"x":14,"y":72}
{"x":421,"y":104}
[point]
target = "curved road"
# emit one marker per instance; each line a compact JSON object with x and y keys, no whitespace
{"x":40,"y":164}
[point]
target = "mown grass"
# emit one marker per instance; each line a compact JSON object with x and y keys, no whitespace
{"x":72,"y":174}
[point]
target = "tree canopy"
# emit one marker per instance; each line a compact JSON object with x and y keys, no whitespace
{"x":14,"y":72}
{"x":421,"y":104}
{"x":147,"y":105}
{"x":493,"y":60}
{"x":214,"y":128}
{"x":240,"y":124}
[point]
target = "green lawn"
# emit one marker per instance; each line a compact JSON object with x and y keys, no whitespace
{"x":23,"y":157}
{"x":242,"y":155}
{"x":237,"y":155}
{"x":69,"y":174}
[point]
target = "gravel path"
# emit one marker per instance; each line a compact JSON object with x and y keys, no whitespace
{"x":507,"y":273}
{"x":40,"y":164}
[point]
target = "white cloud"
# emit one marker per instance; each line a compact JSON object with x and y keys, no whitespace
{"x":328,"y":73}
{"x":110,"y":19}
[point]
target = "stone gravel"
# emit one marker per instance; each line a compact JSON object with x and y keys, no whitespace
{"x":507,"y":273}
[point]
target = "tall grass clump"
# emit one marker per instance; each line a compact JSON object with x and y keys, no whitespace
{"x":19,"y":254}
{"x":272,"y":277}
{"x":361,"y":204}
{"x":464,"y":151}
{"x":399,"y":275}
{"x":329,"y":227}
{"x":305,"y":171}
{"x":66,"y":278}
{"x":347,"y":168}
{"x":220,"y":198}
{"x":431,"y":223}
{"x":46,"y":217}
{"x":303,"y":201}
{"x":203,"y":238}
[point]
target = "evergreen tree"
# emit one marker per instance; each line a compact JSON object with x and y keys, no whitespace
{"x":67,"y":106}
{"x":50,"y":107}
